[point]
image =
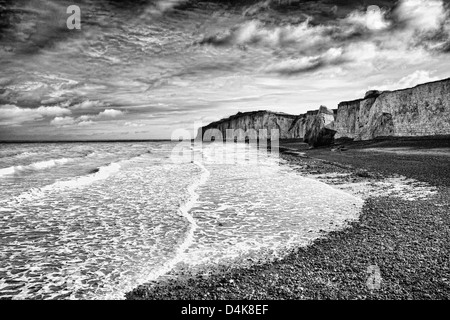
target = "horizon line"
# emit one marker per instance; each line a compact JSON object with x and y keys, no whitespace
{"x":75,"y":141}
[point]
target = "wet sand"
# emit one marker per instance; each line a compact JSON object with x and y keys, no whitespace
{"x":398,"y":249}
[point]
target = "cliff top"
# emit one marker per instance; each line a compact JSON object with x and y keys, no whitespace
{"x":375,"y":93}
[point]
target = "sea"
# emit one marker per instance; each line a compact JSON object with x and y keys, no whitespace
{"x":94,"y":220}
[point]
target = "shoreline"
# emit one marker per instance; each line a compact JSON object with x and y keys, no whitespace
{"x":404,"y":240}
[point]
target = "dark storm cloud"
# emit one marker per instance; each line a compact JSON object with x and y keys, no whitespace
{"x":28,"y":26}
{"x":446,"y":47}
{"x":338,"y":28}
{"x":416,"y":23}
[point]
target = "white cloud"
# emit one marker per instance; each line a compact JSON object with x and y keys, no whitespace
{"x":255,"y":32}
{"x":62,"y":121}
{"x":161,"y":6}
{"x":372,"y":19}
{"x":363,"y":52}
{"x":14,"y":115}
{"x":52,"y":111}
{"x":89,"y":104}
{"x":106,"y":114}
{"x":409,"y":81}
{"x":425,"y":15}
{"x":309,"y":63}
{"x":87,"y":120}
{"x":86,"y":123}
{"x":416,"y":78}
{"x":110,"y":113}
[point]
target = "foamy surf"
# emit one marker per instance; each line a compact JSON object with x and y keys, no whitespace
{"x":184,"y":211}
{"x":41,"y":165}
{"x":101,"y":173}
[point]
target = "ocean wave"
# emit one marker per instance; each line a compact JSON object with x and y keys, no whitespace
{"x":25,"y":154}
{"x":100,"y":173}
{"x":16,"y":154}
{"x":7,"y":154}
{"x":124,"y":157}
{"x":41,"y":165}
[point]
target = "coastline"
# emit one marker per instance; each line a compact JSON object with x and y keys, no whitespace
{"x":406,"y":240}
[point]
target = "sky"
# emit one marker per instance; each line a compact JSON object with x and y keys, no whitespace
{"x":142,"y":69}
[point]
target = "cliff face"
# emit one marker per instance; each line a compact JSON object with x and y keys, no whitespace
{"x":352,"y":116}
{"x":315,"y":127}
{"x":307,"y":126}
{"x":420,"y":111}
{"x":253,"y":120}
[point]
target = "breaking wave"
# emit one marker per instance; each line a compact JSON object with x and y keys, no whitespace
{"x":41,"y":165}
{"x":100,"y":173}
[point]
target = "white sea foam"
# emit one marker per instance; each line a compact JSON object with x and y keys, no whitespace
{"x":184,"y":211}
{"x":395,"y":186}
{"x":102,"y":173}
{"x":41,"y":165}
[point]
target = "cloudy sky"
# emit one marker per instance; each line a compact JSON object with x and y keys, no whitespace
{"x":141,"y":69}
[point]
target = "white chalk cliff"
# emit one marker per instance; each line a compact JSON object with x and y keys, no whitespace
{"x":420,"y":111}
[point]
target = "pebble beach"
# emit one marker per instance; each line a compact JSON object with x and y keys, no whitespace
{"x":397,"y":249}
